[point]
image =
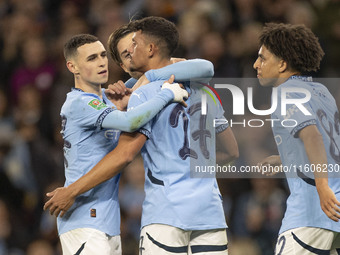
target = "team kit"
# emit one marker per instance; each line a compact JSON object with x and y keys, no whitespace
{"x":173,"y":113}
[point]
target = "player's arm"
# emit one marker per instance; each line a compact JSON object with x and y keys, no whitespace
{"x":128,"y":147}
{"x":137,"y":117}
{"x":227,"y":148}
{"x":270,"y":165}
{"x":186,"y":70}
{"x":131,"y":82}
{"x":195,"y":69}
{"x":315,"y":150}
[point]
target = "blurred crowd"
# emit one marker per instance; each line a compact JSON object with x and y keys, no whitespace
{"x":34,"y":81}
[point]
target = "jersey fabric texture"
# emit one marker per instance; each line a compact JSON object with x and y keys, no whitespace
{"x":195,"y":68}
{"x":308,"y":240}
{"x":172,"y":196}
{"x":199,"y":69}
{"x":303,"y":204}
{"x":85,"y":144}
{"x":89,"y":241}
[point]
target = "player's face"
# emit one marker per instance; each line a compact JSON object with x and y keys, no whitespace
{"x":268,"y":67}
{"x":91,"y":64}
{"x":140,"y":52}
{"x":123,"y":45}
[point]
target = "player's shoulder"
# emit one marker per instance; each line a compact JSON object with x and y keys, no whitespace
{"x":295,"y":87}
{"x":149,"y":89}
{"x":291,"y":83}
{"x":78,"y":100}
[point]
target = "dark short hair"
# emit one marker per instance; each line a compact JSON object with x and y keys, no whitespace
{"x":71,"y":46}
{"x":114,"y":39}
{"x":163,"y":33}
{"x":295,"y":44}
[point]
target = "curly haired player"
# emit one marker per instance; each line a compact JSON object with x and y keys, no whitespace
{"x":311,"y":146}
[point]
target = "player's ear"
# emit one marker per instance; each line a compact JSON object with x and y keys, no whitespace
{"x":151,"y":49}
{"x":72,"y":67}
{"x":283,"y":66}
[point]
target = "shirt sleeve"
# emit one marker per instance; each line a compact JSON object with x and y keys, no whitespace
{"x":89,"y":111}
{"x":295,"y":119}
{"x":195,"y":69}
{"x":138,"y":98}
{"x":140,"y":111}
{"x":130,"y":83}
{"x":216,"y":110}
{"x":223,"y":123}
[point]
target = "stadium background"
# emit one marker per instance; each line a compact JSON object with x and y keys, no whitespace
{"x":34,"y":82}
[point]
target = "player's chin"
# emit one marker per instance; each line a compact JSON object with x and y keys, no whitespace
{"x":103,"y":78}
{"x":265,"y":82}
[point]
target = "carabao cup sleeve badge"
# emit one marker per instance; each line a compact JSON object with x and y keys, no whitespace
{"x":96,"y":104}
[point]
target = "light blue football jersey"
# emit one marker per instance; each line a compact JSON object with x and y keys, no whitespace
{"x":85,"y":144}
{"x":173,"y":197}
{"x":303,"y":204}
{"x":195,"y":68}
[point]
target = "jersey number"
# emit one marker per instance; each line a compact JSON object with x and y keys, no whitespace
{"x":200,"y":134}
{"x":283,"y":241}
{"x":67,"y":144}
{"x":329,"y":129}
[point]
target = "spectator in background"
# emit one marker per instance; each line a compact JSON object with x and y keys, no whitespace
{"x":5,"y":111}
{"x":36,"y":69}
{"x":40,"y":247}
{"x":5,"y":229}
{"x":244,"y":246}
{"x":258,"y":214}
{"x":212,"y":48}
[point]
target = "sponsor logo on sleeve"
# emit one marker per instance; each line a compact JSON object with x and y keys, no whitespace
{"x":96,"y":104}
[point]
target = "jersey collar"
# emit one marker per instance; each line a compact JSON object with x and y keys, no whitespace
{"x":77,"y":89}
{"x":301,"y":78}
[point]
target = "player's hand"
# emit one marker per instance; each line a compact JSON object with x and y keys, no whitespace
{"x":121,"y":102}
{"x":117,"y":88}
{"x":329,"y":204}
{"x":179,"y":92}
{"x":60,"y":201}
{"x":175,"y":60}
{"x":119,"y":95}
{"x":270,"y":165}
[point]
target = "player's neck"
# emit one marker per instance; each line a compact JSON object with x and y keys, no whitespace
{"x":284,"y":77}
{"x":89,"y":88}
{"x":156,"y":63}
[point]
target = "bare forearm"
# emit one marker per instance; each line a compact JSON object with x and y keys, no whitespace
{"x":128,"y":147}
{"x":225,"y":158}
{"x":107,"y":168}
{"x":227,"y":148}
{"x":315,"y":150}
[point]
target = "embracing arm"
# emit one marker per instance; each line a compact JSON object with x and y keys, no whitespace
{"x":137,"y":117}
{"x":227,"y":148}
{"x":130,"y":82}
{"x":184,"y":71}
{"x":128,"y":147}
{"x":315,"y":150}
